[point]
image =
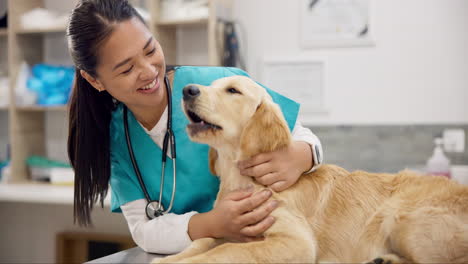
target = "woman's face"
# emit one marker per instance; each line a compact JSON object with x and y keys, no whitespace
{"x":131,"y":66}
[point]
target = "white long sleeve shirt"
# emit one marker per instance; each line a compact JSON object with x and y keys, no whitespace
{"x":168,"y":234}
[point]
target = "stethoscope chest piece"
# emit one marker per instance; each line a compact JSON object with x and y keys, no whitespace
{"x":154,"y":209}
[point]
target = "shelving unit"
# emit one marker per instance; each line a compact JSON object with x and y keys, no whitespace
{"x":27,"y":129}
{"x":27,"y":124}
{"x":166,"y":30}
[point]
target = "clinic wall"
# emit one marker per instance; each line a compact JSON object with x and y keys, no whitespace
{"x":416,"y":73}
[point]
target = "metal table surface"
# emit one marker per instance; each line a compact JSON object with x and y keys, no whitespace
{"x":132,"y":255}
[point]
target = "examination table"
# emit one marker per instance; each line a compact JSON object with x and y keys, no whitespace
{"x":132,"y":255}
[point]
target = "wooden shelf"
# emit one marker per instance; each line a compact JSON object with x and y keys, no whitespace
{"x":38,"y":108}
{"x":183,"y":22}
{"x":44,"y":193}
{"x":40,"y":31}
{"x":3,"y":32}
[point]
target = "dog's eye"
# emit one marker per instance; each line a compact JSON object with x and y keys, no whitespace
{"x":233,"y":90}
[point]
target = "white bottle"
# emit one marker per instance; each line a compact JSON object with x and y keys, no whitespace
{"x":438,"y":163}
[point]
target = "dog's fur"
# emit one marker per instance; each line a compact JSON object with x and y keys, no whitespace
{"x":330,"y":215}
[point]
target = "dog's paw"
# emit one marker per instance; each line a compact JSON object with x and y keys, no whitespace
{"x":387,"y":259}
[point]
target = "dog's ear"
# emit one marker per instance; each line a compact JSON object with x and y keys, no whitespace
{"x":266,"y":131}
{"x":212,"y":157}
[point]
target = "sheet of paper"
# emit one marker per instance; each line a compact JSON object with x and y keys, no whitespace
{"x":334,"y":23}
{"x":302,"y":81}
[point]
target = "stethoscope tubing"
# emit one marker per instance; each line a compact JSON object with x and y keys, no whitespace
{"x":168,"y":139}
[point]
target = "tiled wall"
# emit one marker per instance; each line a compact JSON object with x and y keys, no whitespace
{"x":383,"y":148}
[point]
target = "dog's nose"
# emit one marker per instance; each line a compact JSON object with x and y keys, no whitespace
{"x":191,"y":91}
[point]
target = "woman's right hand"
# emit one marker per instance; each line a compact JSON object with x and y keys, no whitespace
{"x":242,"y":216}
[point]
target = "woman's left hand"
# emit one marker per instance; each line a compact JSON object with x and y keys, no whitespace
{"x":279,"y":169}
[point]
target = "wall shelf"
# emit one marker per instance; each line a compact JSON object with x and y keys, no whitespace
{"x":38,"y":108}
{"x":40,"y":31}
{"x":185,"y":22}
{"x":44,"y":193}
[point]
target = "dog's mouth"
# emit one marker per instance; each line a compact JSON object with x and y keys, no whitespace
{"x":198,"y":124}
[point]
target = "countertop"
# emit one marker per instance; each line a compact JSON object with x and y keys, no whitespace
{"x":132,"y":255}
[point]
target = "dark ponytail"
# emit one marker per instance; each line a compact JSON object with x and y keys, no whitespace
{"x":91,"y":22}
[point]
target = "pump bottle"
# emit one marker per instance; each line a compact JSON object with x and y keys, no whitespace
{"x":438,"y":163}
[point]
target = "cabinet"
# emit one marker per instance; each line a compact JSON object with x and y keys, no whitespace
{"x":28,"y":126}
{"x":79,"y":247}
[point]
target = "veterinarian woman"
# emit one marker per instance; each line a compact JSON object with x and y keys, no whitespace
{"x":121,"y":65}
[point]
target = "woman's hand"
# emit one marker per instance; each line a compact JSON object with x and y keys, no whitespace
{"x":239,"y":216}
{"x":279,"y":169}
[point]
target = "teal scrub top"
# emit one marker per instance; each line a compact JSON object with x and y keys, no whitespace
{"x":196,"y":187}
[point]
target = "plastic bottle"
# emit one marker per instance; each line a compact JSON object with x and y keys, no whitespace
{"x":438,"y":163}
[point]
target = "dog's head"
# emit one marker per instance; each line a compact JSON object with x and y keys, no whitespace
{"x":235,"y":112}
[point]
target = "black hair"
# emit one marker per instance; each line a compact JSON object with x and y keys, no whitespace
{"x":91,"y":23}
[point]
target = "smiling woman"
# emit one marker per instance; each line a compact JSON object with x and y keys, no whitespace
{"x":90,"y":109}
{"x":120,"y":65}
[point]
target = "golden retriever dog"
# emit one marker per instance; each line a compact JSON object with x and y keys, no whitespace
{"x":329,"y":215}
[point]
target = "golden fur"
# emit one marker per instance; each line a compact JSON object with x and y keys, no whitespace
{"x":330,"y":215}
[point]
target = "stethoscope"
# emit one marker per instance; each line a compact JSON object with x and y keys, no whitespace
{"x":154,"y":208}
